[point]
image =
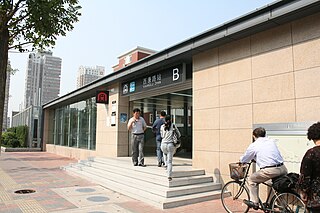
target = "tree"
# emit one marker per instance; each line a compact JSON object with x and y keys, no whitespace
{"x":27,"y":25}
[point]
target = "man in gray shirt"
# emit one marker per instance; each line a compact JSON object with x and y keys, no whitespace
{"x":137,"y":126}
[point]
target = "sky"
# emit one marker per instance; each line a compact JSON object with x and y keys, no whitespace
{"x":107,"y":29}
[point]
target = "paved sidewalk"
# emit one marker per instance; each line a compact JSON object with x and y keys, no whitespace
{"x":60,"y":192}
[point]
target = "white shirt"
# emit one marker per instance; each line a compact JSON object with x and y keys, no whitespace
{"x":264,"y":151}
{"x":138,"y":126}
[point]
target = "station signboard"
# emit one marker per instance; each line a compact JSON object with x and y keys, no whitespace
{"x":166,"y":77}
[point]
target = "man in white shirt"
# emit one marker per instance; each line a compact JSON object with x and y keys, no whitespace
{"x":265,"y":152}
{"x":137,"y":125}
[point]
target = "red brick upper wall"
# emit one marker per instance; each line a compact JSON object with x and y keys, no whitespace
{"x":135,"y":56}
{"x":142,"y":55}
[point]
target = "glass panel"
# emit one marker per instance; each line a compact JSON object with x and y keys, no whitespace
{"x":60,"y":128}
{"x":83,"y":124}
{"x":93,"y":121}
{"x":54,"y":128}
{"x":66,"y":126}
{"x":75,"y":125}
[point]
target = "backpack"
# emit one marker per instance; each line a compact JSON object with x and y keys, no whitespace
{"x":176,"y":137}
{"x":285,"y":183}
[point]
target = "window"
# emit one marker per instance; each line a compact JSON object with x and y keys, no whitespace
{"x":75,"y":125}
{"x":127,"y":59}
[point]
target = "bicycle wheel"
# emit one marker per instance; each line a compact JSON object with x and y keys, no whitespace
{"x":288,"y":203}
{"x":232,"y":196}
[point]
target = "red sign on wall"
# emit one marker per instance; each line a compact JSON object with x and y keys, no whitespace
{"x":102,"y":97}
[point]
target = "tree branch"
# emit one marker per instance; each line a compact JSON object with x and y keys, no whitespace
{"x":15,"y":9}
{"x":18,"y":20}
{"x":19,"y":45}
{"x":8,"y":16}
{"x":22,"y":29}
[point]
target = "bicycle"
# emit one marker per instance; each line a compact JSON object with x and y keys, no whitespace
{"x":234,"y":192}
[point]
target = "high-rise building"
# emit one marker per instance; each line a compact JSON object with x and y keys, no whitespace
{"x":89,"y":74}
{"x":5,"y":124}
{"x":42,"y":82}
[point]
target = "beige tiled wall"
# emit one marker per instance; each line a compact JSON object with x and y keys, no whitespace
{"x":233,"y":140}
{"x":238,"y":93}
{"x":273,"y":88}
{"x":206,"y":119}
{"x":307,"y":109}
{"x":306,"y":54}
{"x":228,"y":74}
{"x":272,"y":63}
{"x":208,"y":140}
{"x":207,"y":159}
{"x":269,"y":77}
{"x":112,"y":141}
{"x":70,"y":152}
{"x":206,"y":59}
{"x":206,"y":78}
{"x":306,"y":29}
{"x":306,"y":81}
{"x":234,"y":51}
{"x":274,"y":112}
{"x":47,"y":128}
{"x":201,"y":96}
{"x":236,"y":117}
{"x":271,"y":40}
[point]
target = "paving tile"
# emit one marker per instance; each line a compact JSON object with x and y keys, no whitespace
{"x":60,"y":192}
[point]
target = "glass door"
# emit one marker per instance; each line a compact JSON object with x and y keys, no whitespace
{"x":179,"y":106}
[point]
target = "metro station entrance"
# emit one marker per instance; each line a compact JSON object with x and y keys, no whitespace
{"x":176,"y":104}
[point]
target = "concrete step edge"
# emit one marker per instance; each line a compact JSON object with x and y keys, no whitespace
{"x":160,"y":176}
{"x":154,"y":200}
{"x":154,"y":188}
{"x":124,"y":163}
{"x":191,"y":199}
{"x":157,"y":201}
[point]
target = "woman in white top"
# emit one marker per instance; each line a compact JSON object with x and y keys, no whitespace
{"x":167,"y":146}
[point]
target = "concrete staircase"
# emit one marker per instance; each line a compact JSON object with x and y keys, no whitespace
{"x":149,"y":184}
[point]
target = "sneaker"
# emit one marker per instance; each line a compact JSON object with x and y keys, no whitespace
{"x":159,"y":164}
{"x":142,"y":165}
{"x":135,"y":164}
{"x":251,"y":204}
{"x":170,"y":178}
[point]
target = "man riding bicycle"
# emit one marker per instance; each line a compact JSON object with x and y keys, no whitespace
{"x":266,"y":154}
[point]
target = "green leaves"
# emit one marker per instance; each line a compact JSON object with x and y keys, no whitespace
{"x":37,"y":22}
{"x":27,"y":25}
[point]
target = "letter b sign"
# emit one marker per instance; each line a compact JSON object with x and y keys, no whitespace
{"x":175,"y":74}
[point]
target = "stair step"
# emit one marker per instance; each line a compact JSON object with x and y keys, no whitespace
{"x":190,"y":199}
{"x":158,"y":175}
{"x":179,"y":170}
{"x":153,"y":188}
{"x":149,"y":184}
{"x":141,"y":194}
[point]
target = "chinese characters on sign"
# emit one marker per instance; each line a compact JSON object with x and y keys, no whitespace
{"x":155,"y":80}
{"x":151,"y":80}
